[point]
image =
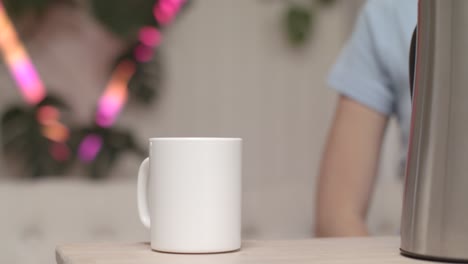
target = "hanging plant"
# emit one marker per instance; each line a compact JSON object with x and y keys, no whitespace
{"x":35,"y":8}
{"x":300,"y":20}
{"x":34,"y":139}
{"x":33,"y":133}
{"x":298,"y":23}
{"x":122,"y":17}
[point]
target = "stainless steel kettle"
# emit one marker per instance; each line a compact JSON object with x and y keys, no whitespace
{"x":435,"y":205}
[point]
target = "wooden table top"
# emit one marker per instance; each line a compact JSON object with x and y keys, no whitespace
{"x":381,"y":250}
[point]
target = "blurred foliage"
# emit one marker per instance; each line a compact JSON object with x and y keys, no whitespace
{"x":298,"y":23}
{"x":327,"y":2}
{"x":21,"y":135}
{"x":121,"y":17}
{"x":145,"y":84}
{"x":300,"y":20}
{"x":124,"y":17}
{"x":24,"y":144}
{"x":142,"y":86}
{"x":35,"y":8}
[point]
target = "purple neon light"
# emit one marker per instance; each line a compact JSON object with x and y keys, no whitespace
{"x":89,"y":147}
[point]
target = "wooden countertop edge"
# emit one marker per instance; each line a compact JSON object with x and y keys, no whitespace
{"x":85,"y":253}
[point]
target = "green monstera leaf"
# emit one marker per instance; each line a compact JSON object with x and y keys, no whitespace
{"x":327,"y":2}
{"x":144,"y":86}
{"x":298,"y":24}
{"x":300,"y":20}
{"x":124,"y":17}
{"x":36,"y":8}
{"x":24,"y":144}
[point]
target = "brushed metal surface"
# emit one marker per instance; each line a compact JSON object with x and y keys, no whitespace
{"x":435,"y":207}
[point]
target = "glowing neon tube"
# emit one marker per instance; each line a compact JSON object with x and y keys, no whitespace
{"x":115,"y":95}
{"x":18,"y":61}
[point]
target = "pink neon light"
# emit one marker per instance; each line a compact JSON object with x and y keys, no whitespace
{"x":150,"y":36}
{"x":47,"y":115}
{"x":59,"y":151}
{"x":166,"y":10}
{"x":55,"y":132}
{"x":25,"y":74}
{"x":114,"y":97}
{"x":109,"y":108}
{"x":28,"y":81}
{"x":143,"y":53}
{"x":18,"y":61}
{"x":89,"y":147}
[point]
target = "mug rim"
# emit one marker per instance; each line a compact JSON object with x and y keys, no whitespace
{"x":194,"y":139}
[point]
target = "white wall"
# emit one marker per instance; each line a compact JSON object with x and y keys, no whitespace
{"x":230,"y":72}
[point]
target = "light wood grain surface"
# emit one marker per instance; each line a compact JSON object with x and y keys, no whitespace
{"x":329,"y":251}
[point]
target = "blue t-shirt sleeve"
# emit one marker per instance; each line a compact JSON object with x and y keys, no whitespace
{"x":360,"y":72}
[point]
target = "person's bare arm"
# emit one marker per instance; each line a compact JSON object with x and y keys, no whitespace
{"x":348,"y":169}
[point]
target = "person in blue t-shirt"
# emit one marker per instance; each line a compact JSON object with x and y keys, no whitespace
{"x":371,"y":76}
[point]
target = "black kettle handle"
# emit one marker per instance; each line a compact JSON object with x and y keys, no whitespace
{"x":412,"y":59}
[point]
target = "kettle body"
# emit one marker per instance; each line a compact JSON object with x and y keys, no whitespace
{"x":435,"y":205}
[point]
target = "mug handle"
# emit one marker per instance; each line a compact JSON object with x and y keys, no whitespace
{"x":142,"y":198}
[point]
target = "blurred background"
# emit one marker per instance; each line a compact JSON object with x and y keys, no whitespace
{"x":73,"y":137}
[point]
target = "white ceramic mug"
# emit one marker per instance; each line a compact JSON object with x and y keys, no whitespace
{"x":193,"y":204}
